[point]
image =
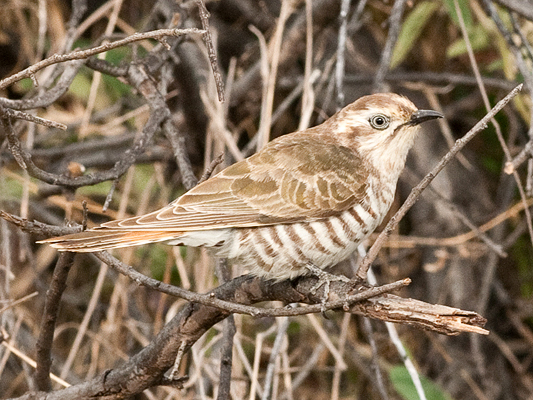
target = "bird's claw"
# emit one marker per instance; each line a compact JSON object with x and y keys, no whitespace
{"x":324,"y":279}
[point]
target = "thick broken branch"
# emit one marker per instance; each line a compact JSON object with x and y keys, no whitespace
{"x":433,"y":317}
{"x":147,"y":368}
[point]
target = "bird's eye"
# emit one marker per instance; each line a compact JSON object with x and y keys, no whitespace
{"x":379,"y":121}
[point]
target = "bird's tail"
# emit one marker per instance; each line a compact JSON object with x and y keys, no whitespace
{"x":105,"y":239}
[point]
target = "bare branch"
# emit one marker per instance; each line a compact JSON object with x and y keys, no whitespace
{"x":32,"y":118}
{"x":392,"y":36}
{"x":48,"y":321}
{"x":82,"y":54}
{"x":204,"y":17}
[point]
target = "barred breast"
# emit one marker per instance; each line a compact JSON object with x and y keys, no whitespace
{"x":282,"y":251}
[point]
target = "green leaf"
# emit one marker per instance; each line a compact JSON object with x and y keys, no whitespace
{"x":115,"y":89}
{"x":479,"y":40}
{"x":158,"y":259}
{"x":81,"y":86}
{"x":523,"y":254}
{"x":402,"y":382}
{"x":24,"y":85}
{"x":465,"y":11}
{"x":411,"y":30}
{"x":116,"y":56}
{"x":100,"y":189}
{"x":11,"y":189}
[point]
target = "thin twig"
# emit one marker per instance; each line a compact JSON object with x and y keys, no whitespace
{"x":228,"y":334}
{"x":97,"y":76}
{"x":82,"y":54}
{"x":341,"y":50}
{"x":159,"y":113}
{"x":177,"y":141}
{"x":341,"y":347}
{"x":410,"y":241}
{"x":84,"y":325}
{"x":24,"y":159}
{"x":218,"y":126}
{"x":529,"y":84}
{"x":523,"y":39}
{"x":39,"y":228}
{"x":68,"y":74}
{"x":11,"y":348}
{"x":174,"y":373}
{"x":444,"y":78}
{"x":395,"y":339}
{"x":209,"y":170}
{"x":519,"y":6}
{"x":14,"y":303}
{"x":374,"y":365}
{"x":325,"y":338}
{"x":204,"y":17}
{"x":525,"y":154}
{"x":306,"y":370}
{"x":438,"y":197}
{"x":394,"y":29}
{"x":85,"y":215}
{"x":283,"y":324}
{"x":78,"y":9}
{"x":269,"y":84}
{"x":32,"y":118}
{"x":109,"y":196}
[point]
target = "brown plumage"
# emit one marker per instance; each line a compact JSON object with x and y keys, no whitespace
{"x":309,"y":197}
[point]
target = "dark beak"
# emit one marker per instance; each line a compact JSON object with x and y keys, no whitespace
{"x":424,"y":115}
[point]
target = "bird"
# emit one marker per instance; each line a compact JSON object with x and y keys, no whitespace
{"x":300,"y":205}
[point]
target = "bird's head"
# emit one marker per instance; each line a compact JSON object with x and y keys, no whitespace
{"x":381,"y":128}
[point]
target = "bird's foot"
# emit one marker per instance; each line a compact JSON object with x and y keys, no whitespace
{"x":324,"y":279}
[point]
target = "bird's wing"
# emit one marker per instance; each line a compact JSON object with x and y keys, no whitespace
{"x":290,"y":180}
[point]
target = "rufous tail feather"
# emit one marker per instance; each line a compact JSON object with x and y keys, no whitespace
{"x":96,"y":240}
